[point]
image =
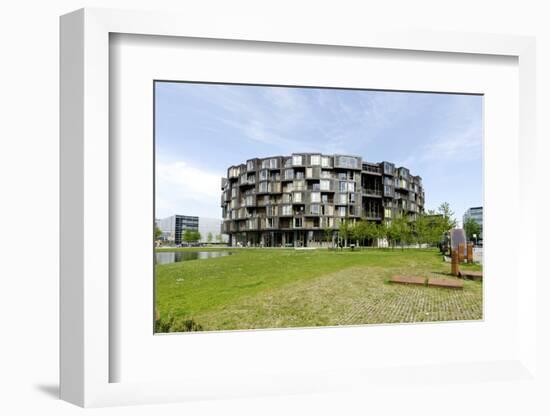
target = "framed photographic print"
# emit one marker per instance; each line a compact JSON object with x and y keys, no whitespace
{"x":318,"y":236}
{"x":271,"y":212}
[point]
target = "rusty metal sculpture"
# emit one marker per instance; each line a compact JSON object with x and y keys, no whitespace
{"x":455,"y":271}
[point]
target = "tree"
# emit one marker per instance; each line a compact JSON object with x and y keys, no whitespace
{"x":421,"y":226}
{"x":448,"y":216}
{"x":401,"y":230}
{"x":471,"y":227}
{"x":209,"y":237}
{"x":382,"y":231}
{"x":344,"y":231}
{"x":365,"y":231}
{"x":219,"y":238}
{"x":191,"y":236}
{"x":158,"y":233}
{"x":392,"y":232}
{"x":188,"y":236}
{"x":196,"y":236}
{"x":357,"y":231}
{"x":329,"y":233}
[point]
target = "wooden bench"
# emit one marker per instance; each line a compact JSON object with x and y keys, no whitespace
{"x":410,"y":280}
{"x":449,"y":283}
{"x":432,"y":281}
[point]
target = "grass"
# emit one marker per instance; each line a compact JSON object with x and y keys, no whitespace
{"x":277,"y":288}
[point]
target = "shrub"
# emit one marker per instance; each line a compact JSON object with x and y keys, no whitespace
{"x":172,"y":324}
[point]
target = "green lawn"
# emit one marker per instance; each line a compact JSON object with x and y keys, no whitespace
{"x":276,"y":288}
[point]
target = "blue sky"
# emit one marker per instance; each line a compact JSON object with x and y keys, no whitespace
{"x":201,"y":129}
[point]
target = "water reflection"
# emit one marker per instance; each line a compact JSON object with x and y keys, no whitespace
{"x":167,"y":257}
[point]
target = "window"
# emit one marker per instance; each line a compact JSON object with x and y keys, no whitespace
{"x":324,"y":199}
{"x":342,"y":186}
{"x":287,"y":210}
{"x":352,"y":198}
{"x":325,"y":174}
{"x":233,"y":192}
{"x":265,"y":164}
{"x":297,"y":222}
{"x":263,"y":186}
{"x":387,"y":213}
{"x":309,"y":172}
{"x":299,"y":175}
{"x":250,"y":200}
{"x":299,"y":185}
{"x":273,"y":163}
{"x":325,"y":162}
{"x":347,"y":162}
{"x":297,"y":197}
{"x":270,"y":223}
{"x":289,"y":174}
{"x":297,"y":160}
{"x":250,"y":165}
{"x":325,"y":185}
{"x":351,"y":186}
{"x":314,"y":209}
{"x":264,"y":175}
{"x":315,"y":197}
{"x":342,"y":199}
{"x":341,"y":211}
{"x":315,"y":160}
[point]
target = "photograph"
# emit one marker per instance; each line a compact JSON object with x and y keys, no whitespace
{"x":304,"y":207}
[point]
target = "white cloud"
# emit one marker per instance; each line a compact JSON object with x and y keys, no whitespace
{"x":460,"y":145}
{"x":185,"y":189}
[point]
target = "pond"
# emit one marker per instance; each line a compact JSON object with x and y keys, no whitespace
{"x":167,"y":257}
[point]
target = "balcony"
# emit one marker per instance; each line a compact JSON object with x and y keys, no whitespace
{"x":373,"y":215}
{"x":372,"y":192}
{"x":245,"y":181}
{"x":372,"y":169}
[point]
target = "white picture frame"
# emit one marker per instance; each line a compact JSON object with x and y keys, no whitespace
{"x":86,"y":217}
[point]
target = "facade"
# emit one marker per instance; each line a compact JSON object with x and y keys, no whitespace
{"x":475,"y":213}
{"x":297,"y":200}
{"x":212,"y":226}
{"x":174,"y":226}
